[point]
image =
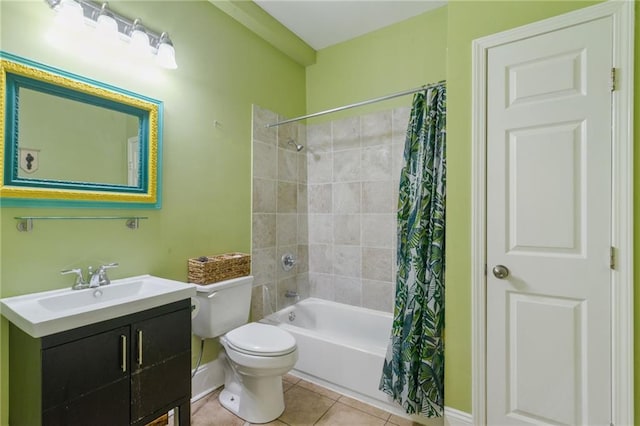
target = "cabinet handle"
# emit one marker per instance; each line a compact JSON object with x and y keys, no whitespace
{"x":139,"y":347}
{"x":123,"y":344}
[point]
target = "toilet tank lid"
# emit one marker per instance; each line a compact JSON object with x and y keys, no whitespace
{"x":210,"y":288}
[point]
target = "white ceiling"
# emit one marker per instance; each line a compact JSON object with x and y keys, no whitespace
{"x":323,"y":23}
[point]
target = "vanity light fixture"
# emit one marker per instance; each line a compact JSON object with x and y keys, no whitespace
{"x":113,"y":26}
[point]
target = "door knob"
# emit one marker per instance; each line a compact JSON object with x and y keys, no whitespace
{"x":500,"y":271}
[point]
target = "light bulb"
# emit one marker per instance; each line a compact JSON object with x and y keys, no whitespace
{"x":140,"y":42}
{"x":107,"y":27}
{"x":166,"y":56}
{"x":70,"y":13}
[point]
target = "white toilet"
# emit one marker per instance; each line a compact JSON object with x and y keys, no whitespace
{"x":255,"y":357}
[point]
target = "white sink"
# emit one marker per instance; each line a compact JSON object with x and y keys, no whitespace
{"x":49,"y":312}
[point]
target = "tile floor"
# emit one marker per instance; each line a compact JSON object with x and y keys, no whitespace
{"x":305,"y":404}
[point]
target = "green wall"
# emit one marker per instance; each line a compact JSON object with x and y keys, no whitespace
{"x":425,"y":49}
{"x":395,"y":58}
{"x":223,"y":69}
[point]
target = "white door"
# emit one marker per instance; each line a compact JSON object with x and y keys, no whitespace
{"x":548,"y":223}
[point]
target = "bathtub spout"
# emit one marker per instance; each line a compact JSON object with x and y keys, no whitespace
{"x":292,"y":294}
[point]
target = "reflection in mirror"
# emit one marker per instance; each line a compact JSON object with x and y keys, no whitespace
{"x":73,"y":141}
{"x":70,"y":141}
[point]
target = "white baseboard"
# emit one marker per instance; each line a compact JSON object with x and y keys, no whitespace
{"x":209,"y":377}
{"x":453,"y":417}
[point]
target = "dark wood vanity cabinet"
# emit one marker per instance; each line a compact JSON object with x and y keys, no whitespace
{"x":124,"y":371}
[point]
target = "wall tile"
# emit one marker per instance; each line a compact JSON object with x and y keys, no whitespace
{"x":265,"y":160}
{"x":257,"y":304}
{"x":303,"y":198}
{"x":320,"y":258}
{"x":376,"y":128}
{"x":346,"y":165}
{"x":287,"y":165}
{"x":378,"y":230}
{"x":264,"y":195}
{"x":287,"y":197}
{"x":303,"y":229}
{"x":321,"y":286}
{"x":319,"y":137}
{"x":346,"y":229}
{"x":346,"y":198}
{"x":347,"y":290}
{"x":377,"y":197}
{"x":320,"y":228}
{"x":378,"y":295}
{"x":320,"y":198}
{"x":263,"y":265}
{"x":303,"y":258}
{"x":284,"y":285}
{"x":302,"y":283}
{"x":264,"y":230}
{"x":376,"y":264}
{"x":319,"y":167}
{"x":397,"y":163}
{"x":399,"y":123}
{"x":287,"y":132}
{"x":302,"y":166}
{"x":347,"y":261}
{"x":262,"y":117}
{"x":378,"y":161}
{"x":286,"y":230}
{"x":346,"y":133}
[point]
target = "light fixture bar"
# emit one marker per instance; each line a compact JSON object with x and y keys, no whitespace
{"x":92,"y":11}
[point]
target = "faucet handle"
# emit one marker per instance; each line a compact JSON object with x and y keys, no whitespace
{"x":79,"y":279}
{"x":110,"y":265}
{"x":103,"y":279}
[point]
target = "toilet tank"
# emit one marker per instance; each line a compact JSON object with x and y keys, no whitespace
{"x":221,"y":306}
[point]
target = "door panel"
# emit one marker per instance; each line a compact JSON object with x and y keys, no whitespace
{"x":548,"y":222}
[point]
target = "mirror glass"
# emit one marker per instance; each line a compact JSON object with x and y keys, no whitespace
{"x":68,"y":140}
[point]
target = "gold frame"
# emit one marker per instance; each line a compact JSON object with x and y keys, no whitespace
{"x":96,"y":89}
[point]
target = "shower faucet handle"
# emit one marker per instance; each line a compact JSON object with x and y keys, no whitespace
{"x":288,"y":261}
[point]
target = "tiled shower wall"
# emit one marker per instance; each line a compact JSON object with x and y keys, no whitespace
{"x":353,"y":172}
{"x":279,"y":194}
{"x":333,"y":205}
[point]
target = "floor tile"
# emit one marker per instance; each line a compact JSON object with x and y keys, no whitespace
{"x":319,"y":389}
{"x":304,"y":407}
{"x":374,"y":411}
{"x":291,"y":378}
{"x":343,"y":415}
{"x":401,"y":421}
{"x":211,"y":413}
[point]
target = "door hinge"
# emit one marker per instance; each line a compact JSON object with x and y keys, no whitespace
{"x":612,"y":257}
{"x":614,"y":79}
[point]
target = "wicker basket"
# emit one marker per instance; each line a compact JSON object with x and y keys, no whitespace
{"x":211,"y":269}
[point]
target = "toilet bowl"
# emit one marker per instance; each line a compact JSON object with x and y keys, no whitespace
{"x":255,"y":356}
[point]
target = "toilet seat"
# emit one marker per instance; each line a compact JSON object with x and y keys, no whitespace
{"x":260,"y":340}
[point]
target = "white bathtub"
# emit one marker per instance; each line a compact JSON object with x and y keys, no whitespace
{"x":340,"y":346}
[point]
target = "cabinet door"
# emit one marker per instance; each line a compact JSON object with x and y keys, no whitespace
{"x":107,"y":406}
{"x":83,"y":366}
{"x":162,"y":363}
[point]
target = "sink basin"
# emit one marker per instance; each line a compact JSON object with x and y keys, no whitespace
{"x":49,"y":312}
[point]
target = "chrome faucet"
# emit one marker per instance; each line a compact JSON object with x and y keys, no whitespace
{"x":94,"y":279}
{"x":80,"y":282}
{"x":100,"y":277}
{"x":292,"y":294}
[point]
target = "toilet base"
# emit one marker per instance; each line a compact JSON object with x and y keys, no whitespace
{"x":253,"y":399}
{"x":259,"y":402}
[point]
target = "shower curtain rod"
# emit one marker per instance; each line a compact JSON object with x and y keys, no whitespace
{"x":357,"y":104}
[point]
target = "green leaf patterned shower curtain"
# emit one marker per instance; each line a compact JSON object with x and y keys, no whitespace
{"x":413,"y":371}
